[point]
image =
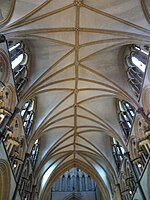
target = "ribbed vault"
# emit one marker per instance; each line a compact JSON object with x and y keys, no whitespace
{"x":76,"y":73}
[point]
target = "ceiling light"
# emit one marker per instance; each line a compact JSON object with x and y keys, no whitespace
{"x":15,"y":165}
{"x":139,"y":165}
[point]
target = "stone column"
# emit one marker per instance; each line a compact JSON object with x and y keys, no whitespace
{"x":66,"y":188}
{"x":92,"y":185}
{"x":86,"y":182}
{"x":60,"y":183}
{"x":80,"y":182}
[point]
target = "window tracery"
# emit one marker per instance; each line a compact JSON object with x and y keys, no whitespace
{"x":19,"y":61}
{"x":27,"y":113}
{"x":126,"y":117}
{"x":118,"y":153}
{"x":74,"y":180}
{"x":136,"y":61}
{"x":34,"y":153}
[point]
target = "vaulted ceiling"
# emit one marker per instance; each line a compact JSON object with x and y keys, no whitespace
{"x":76,"y":73}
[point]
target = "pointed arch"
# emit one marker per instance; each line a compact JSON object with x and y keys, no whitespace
{"x":136,"y":60}
{"x":126,"y":114}
{"x":4,"y":180}
{"x":118,"y":153}
{"x":73,"y":196}
{"x":28,"y":114}
{"x":19,"y":62}
{"x":146,"y":98}
{"x":4,"y":67}
{"x":146,"y":9}
{"x":62,"y":169}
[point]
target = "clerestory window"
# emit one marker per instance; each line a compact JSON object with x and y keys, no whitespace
{"x":34,"y":153}
{"x":27,"y":113}
{"x":126,"y":116}
{"x":118,"y":153}
{"x":136,"y":62}
{"x":19,"y":61}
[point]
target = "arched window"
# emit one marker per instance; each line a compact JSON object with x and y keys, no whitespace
{"x":136,"y":61}
{"x":83,"y":182}
{"x":34,"y":153}
{"x":19,"y":60}
{"x":63,"y":183}
{"x":27,"y":113}
{"x":89,"y":183}
{"x":126,"y":116}
{"x":74,"y":180}
{"x":118,"y":153}
{"x":78,"y":183}
{"x":69,"y":183}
